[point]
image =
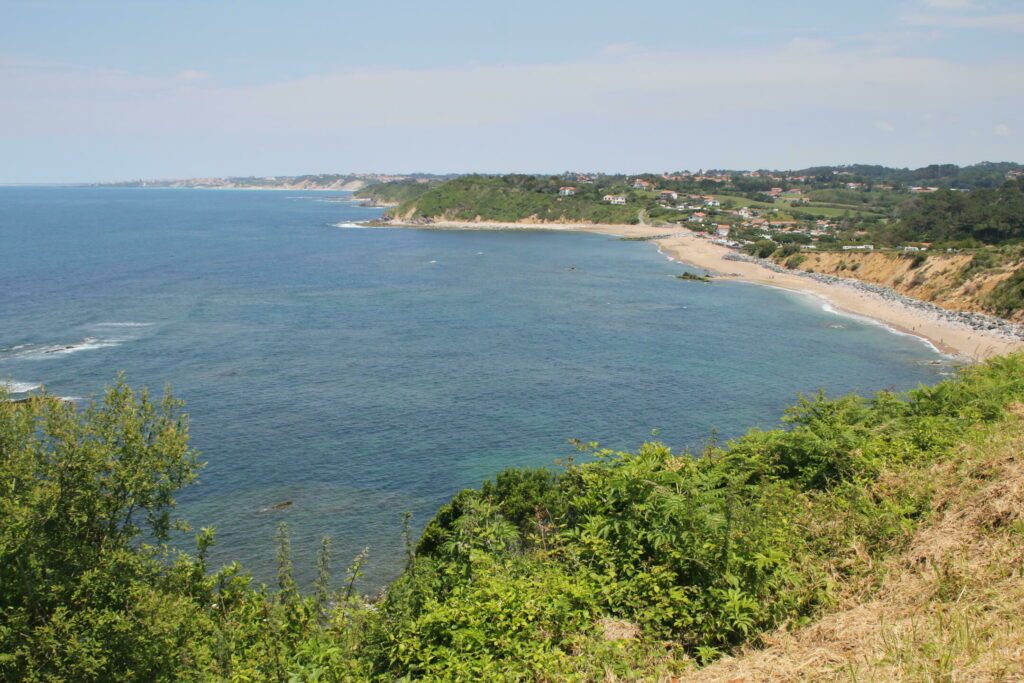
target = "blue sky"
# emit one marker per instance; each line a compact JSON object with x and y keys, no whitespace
{"x":158,"y":89}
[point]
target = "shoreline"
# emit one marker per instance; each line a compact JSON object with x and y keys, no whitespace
{"x":684,"y":246}
{"x":254,"y":188}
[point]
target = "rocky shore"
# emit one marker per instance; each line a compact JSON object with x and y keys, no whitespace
{"x":967,"y":319}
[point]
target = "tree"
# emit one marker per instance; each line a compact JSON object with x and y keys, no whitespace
{"x":87,"y":503}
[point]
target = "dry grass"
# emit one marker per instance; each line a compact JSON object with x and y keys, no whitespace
{"x":951,"y":607}
{"x":616,"y":629}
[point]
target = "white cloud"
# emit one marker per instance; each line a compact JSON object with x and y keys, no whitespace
{"x":677,"y":86}
{"x":1012,"y":21}
{"x":620,"y":48}
{"x":808,"y":45}
{"x":955,"y":5}
{"x":806,"y":99}
{"x":190,"y":76}
{"x":1003,"y":130}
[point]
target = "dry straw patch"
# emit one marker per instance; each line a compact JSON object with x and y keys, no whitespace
{"x":951,"y":608}
{"x":616,"y":629}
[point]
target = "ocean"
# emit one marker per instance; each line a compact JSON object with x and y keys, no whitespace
{"x":364,"y":372}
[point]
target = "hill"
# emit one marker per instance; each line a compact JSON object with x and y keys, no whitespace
{"x":985,"y":174}
{"x":393,"y":193}
{"x":516,"y":198}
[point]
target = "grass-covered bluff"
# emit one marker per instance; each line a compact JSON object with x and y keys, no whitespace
{"x":395,"y":192}
{"x":513,"y":198}
{"x":628,"y":565}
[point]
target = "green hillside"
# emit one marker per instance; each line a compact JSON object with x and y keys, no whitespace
{"x":518,"y":198}
{"x":395,"y":192}
{"x":624,"y":565}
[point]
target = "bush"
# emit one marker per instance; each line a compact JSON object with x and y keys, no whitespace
{"x":788,"y":249}
{"x":1008,"y":296}
{"x":762,"y":248}
{"x":917,"y":260}
{"x":509,"y":582}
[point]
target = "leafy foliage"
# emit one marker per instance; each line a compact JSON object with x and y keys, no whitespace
{"x":520,"y":579}
{"x":1008,"y":296}
{"x":519,"y":197}
{"x":396,"y":191}
{"x":990,"y":216}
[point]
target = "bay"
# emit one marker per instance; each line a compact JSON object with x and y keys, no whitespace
{"x":360,"y":373}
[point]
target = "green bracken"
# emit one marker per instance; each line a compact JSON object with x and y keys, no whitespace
{"x":630,"y":565}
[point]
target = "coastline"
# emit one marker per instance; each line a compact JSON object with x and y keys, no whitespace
{"x":684,"y":246}
{"x":259,"y":188}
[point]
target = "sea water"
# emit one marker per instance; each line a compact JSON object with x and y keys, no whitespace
{"x":364,"y":372}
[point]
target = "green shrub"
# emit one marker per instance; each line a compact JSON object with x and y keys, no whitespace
{"x":510,"y":581}
{"x":917,"y":260}
{"x":794,"y":261}
{"x":762,"y":248}
{"x":788,"y":249}
{"x":1008,"y":296}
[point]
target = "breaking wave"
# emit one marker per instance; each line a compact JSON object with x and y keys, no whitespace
{"x":41,"y":351}
{"x":16,"y":387}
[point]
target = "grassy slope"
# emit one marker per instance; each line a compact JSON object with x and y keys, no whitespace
{"x":948,"y":608}
{"x":394,"y":193}
{"x":493,"y":199}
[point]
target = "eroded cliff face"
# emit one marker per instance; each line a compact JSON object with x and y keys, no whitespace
{"x":944,"y":279}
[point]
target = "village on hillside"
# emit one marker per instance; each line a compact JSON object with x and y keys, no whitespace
{"x":740,"y":209}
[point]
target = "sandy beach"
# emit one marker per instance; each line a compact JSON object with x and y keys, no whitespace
{"x":687,"y":247}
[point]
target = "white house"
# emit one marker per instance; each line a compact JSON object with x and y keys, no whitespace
{"x":614,"y":199}
{"x":697,"y":217}
{"x":567,"y":191}
{"x":859,"y":247}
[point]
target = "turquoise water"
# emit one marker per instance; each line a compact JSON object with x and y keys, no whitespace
{"x":361,"y":373}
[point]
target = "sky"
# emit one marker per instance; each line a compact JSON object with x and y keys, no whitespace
{"x":95,"y":90}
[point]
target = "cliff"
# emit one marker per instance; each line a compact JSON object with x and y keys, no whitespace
{"x":957,"y":281}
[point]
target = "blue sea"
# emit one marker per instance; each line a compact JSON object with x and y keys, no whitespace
{"x":364,"y":372}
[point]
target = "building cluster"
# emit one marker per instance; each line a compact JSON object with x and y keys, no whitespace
{"x":741,"y":226}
